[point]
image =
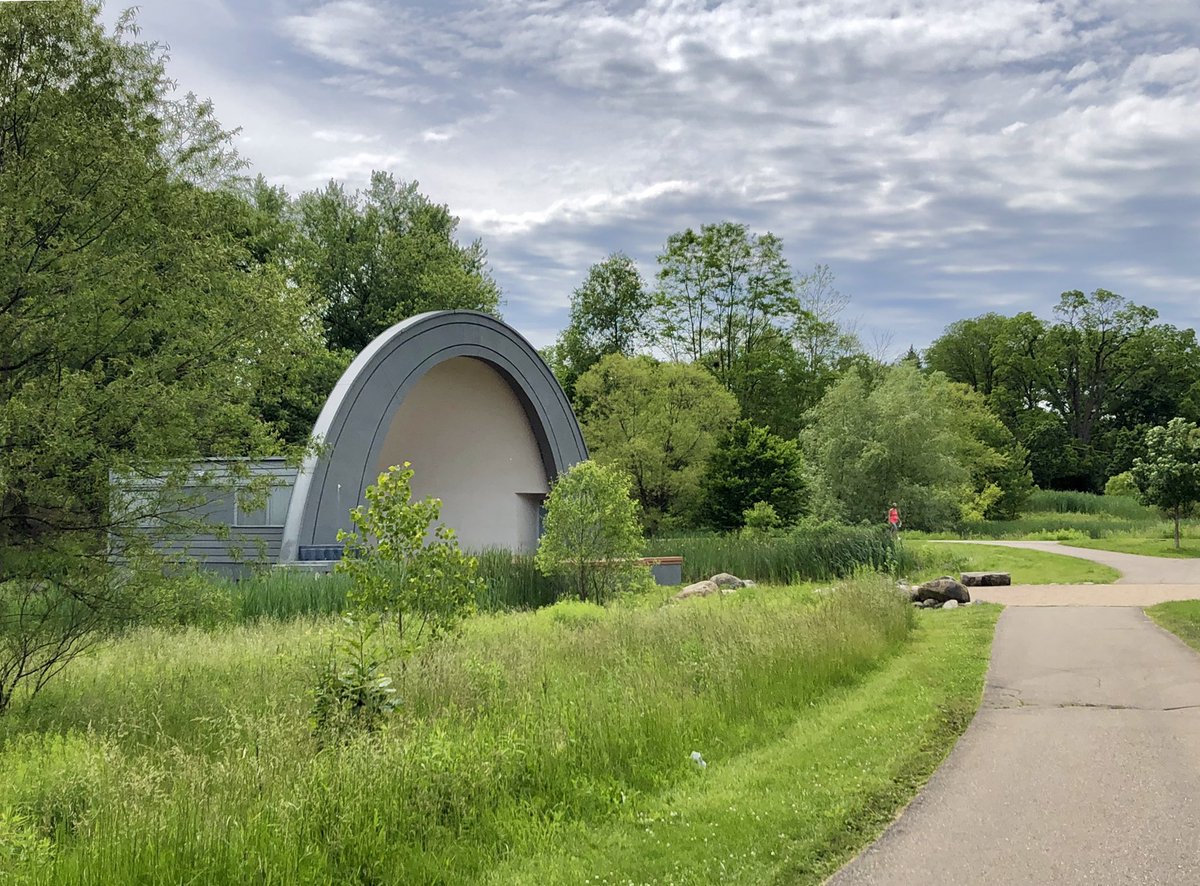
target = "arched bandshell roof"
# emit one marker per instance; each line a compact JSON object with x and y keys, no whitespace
{"x":354,"y":422}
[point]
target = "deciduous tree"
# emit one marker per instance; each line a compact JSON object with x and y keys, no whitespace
{"x":658,"y":422}
{"x":609,"y":315}
{"x":135,"y":327}
{"x":749,"y":466}
{"x":383,"y":254}
{"x":1168,"y":476}
{"x":592,"y":537}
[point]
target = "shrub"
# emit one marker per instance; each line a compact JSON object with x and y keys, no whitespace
{"x":1121,"y":484}
{"x":762,"y":519}
{"x":592,"y":535}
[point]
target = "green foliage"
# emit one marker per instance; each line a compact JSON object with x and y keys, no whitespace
{"x":1121,"y":484}
{"x":21,"y":844}
{"x":751,"y":465}
{"x":659,"y":422}
{"x":592,"y":537}
{"x":138,"y":325}
{"x":384,"y":254}
{"x":918,"y":440}
{"x":1079,"y":392}
{"x":352,"y":695}
{"x":608,"y":316}
{"x":405,"y":569}
{"x":1057,"y":501}
{"x":1169,"y":476}
{"x":809,"y":552}
{"x":761,"y":519}
{"x":720,"y":289}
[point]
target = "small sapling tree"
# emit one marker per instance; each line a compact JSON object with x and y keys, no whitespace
{"x":409,"y":575}
{"x":1168,"y":476}
{"x":592,"y":533}
{"x":406,"y":570}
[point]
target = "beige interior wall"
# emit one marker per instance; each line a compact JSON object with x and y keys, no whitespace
{"x":470,"y":444}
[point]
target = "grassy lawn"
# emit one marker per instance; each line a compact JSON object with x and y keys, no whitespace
{"x":1151,"y":547}
{"x":1181,"y":618}
{"x":535,"y":746}
{"x":1026,"y":567}
{"x":796,"y":809}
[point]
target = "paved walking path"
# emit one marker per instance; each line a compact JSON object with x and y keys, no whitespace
{"x":1083,"y":763}
{"x":1144,"y":580}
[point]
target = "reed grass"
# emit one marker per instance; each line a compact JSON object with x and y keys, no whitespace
{"x":813,"y":553}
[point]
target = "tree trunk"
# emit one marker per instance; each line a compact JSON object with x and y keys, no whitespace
{"x":1177,"y":527}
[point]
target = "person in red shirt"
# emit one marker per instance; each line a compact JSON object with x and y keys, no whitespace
{"x":894,"y":518}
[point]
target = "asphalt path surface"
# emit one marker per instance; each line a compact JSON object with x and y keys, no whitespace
{"x":1083,"y":763}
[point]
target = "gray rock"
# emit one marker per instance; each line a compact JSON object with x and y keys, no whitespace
{"x":950,"y":604}
{"x":941,"y":590}
{"x":699,"y":589}
{"x":747,"y":583}
{"x":986,"y":579}
{"x":725,"y":580}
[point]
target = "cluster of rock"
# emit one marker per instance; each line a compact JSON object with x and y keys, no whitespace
{"x":985,"y":579}
{"x":941,"y":593}
{"x":721,"y":583}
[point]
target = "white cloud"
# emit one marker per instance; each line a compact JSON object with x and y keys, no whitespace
{"x":908,"y":141}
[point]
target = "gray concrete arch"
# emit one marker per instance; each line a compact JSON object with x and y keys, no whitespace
{"x":355,"y":421}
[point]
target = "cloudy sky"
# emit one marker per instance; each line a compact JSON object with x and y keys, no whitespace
{"x":944,"y":158}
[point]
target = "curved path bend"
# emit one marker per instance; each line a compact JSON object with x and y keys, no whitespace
{"x":1144,"y":580}
{"x":1083,"y":763}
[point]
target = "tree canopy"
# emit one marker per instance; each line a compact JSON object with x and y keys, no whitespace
{"x":917,"y":440}
{"x":608,"y":316}
{"x":1168,"y":476}
{"x":137,"y":327}
{"x":751,"y":466}
{"x":659,"y":422}
{"x":383,"y":254}
{"x":1081,"y":390}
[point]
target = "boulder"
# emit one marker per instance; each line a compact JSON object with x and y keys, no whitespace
{"x":725,"y":580}
{"x":941,"y":590}
{"x":699,"y":589}
{"x":950,"y":604}
{"x":986,"y":579}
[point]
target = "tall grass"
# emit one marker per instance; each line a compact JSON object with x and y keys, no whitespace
{"x":510,"y":581}
{"x":815,"y":553}
{"x":1059,"y":502}
{"x":185,"y":757}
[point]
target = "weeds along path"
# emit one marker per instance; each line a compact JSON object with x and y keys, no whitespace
{"x":1082,"y":765}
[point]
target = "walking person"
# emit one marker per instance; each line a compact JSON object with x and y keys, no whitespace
{"x":894,"y":519}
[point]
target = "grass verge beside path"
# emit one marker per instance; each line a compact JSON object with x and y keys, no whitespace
{"x":1181,"y":618}
{"x":1150,"y":547}
{"x":1026,"y":567}
{"x":796,"y":809}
